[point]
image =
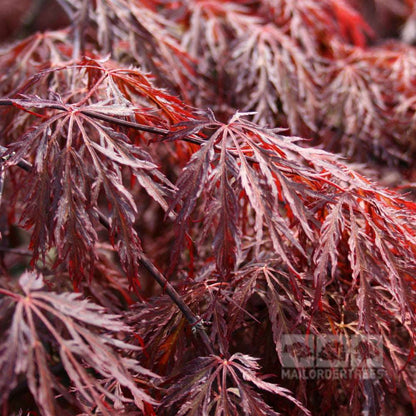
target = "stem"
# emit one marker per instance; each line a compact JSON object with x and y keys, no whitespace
{"x":124,"y":123}
{"x":104,"y":117}
{"x":193,"y":320}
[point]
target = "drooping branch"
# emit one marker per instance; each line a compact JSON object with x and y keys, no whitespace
{"x":103,"y":117}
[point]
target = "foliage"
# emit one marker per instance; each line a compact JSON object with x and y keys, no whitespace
{"x":184,"y":185}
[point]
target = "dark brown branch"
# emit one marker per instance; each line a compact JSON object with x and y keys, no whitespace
{"x":193,"y":320}
{"x":107,"y":118}
{"x":124,"y":123}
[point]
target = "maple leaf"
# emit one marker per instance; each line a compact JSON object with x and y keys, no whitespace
{"x":271,"y":73}
{"x":80,"y":332}
{"x":208,"y":27}
{"x":313,"y":22}
{"x":31,"y":56}
{"x":164,"y":335}
{"x":162,"y":329}
{"x":216,"y":385}
{"x":374,"y":221}
{"x":280,"y":292}
{"x":226,"y":173}
{"x":132,"y":31}
{"x":356,"y":107}
{"x":68,"y":189}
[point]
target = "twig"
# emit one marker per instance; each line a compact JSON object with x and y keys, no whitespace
{"x":104,"y":117}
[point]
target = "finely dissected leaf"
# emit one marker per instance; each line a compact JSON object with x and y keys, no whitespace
{"x":31,"y":55}
{"x":325,"y":255}
{"x":162,"y":328}
{"x":372,"y":251}
{"x":163,"y":336}
{"x":80,"y":331}
{"x":226,"y":243}
{"x":312,"y":22}
{"x":69,"y":194}
{"x":354,"y":104}
{"x":208,"y":29}
{"x":280,"y":292}
{"x":135,"y":29}
{"x":241,"y":159}
{"x":210,"y":24}
{"x":271,"y":74}
{"x":214,"y":385}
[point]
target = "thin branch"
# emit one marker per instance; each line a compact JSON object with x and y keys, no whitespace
{"x":195,"y":321}
{"x":115,"y":120}
{"x":124,"y":123}
{"x":104,"y":117}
